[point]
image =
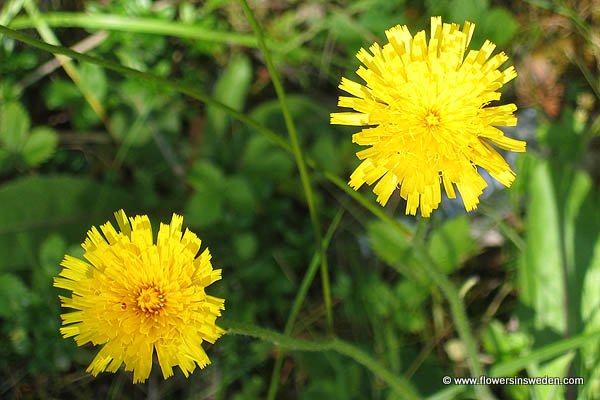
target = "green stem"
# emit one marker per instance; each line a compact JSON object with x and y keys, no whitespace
{"x":184,"y":88}
{"x":457,"y":308}
{"x":300,"y":296}
{"x":400,"y":385}
{"x":136,"y":25}
{"x":298,"y":156}
{"x":9,"y":10}
{"x":49,"y":36}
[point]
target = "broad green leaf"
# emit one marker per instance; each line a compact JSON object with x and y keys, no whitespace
{"x":560,"y":267}
{"x":541,"y":272}
{"x":451,"y":244}
{"x":14,"y":126}
{"x":39,"y":146}
{"x":232,"y":89}
{"x":586,"y":252}
{"x":34,"y":207}
{"x":556,"y":368}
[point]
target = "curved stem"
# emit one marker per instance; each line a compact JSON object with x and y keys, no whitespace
{"x":298,"y":156}
{"x":400,"y":385}
{"x":185,"y":89}
{"x":300,"y":296}
{"x":457,"y":308}
{"x":121,"y":23}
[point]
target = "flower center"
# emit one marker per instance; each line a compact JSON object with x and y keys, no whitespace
{"x":150,"y":299}
{"x":432,"y":119}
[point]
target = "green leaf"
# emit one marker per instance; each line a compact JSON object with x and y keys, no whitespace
{"x":451,"y":244}
{"x":95,"y":79}
{"x":467,"y":10}
{"x":40,"y":146}
{"x":5,"y":159}
{"x":231,"y":89}
{"x":14,"y":126}
{"x":205,"y":207}
{"x":245,"y":245}
{"x":14,"y":295}
{"x":502,"y":344}
{"x":52,"y":251}
{"x":498,"y":25}
{"x":62,"y":93}
{"x":239,"y":196}
{"x":34,"y":207}
{"x":327,"y":153}
{"x":556,"y":368}
{"x":265,"y":161}
{"x":540,"y":272}
{"x":205,"y":174}
{"x":541,"y":354}
{"x":398,"y":384}
{"x":389,"y":244}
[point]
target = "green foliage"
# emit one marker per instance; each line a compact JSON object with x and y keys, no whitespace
{"x":19,"y":142}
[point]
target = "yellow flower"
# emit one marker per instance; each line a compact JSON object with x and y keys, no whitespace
{"x":135,"y":297}
{"x":428,"y":122}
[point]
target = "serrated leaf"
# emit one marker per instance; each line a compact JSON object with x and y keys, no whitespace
{"x":14,"y":126}
{"x":39,"y":146}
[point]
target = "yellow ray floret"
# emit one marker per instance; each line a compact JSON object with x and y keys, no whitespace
{"x":136,"y":298}
{"x":428,"y":123}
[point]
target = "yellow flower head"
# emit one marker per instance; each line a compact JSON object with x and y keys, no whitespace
{"x":135,"y":297}
{"x":429,"y":123}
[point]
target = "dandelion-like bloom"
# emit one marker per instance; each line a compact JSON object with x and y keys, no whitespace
{"x":135,"y":297}
{"x":428,"y":122}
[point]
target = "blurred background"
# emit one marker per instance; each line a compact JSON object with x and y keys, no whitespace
{"x":79,"y":142}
